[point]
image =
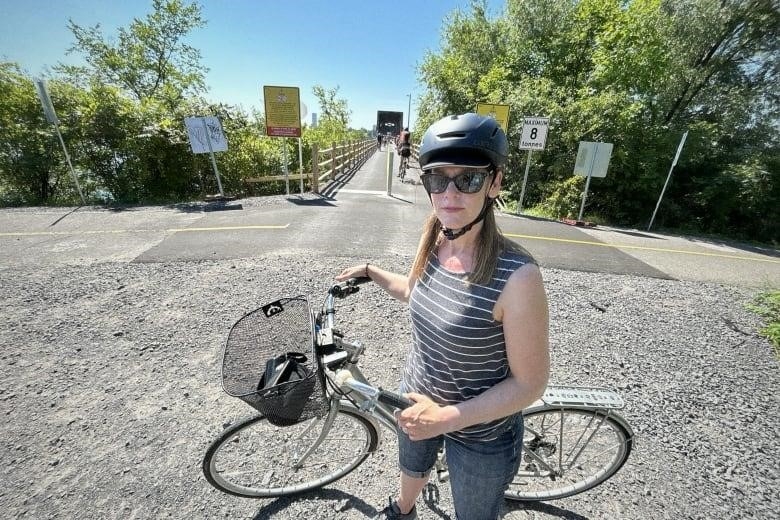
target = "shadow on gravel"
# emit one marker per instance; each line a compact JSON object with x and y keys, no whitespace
{"x":637,"y":234}
{"x":322,"y":201}
{"x":182,"y":207}
{"x":74,"y":210}
{"x":333,"y":495}
{"x":544,"y":508}
{"x":222,"y":207}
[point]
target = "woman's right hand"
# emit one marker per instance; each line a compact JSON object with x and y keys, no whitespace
{"x":356,"y":271}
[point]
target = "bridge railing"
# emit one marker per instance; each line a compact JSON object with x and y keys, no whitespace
{"x":326,"y":163}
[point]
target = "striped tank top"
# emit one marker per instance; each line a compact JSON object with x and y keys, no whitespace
{"x":458,"y":349}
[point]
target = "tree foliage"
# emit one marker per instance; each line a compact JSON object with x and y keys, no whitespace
{"x":636,"y":73}
{"x":28,"y":168}
{"x":149,"y":59}
{"x":122,"y":118}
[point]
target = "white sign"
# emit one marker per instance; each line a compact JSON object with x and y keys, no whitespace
{"x":206,"y":134}
{"x":48,"y":108}
{"x":679,"y":148}
{"x":593,"y":159}
{"x":534,"y":133}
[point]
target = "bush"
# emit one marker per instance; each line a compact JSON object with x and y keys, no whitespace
{"x":767,"y":305}
{"x":565,"y":198}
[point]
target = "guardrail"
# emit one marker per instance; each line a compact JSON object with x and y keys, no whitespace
{"x":326,"y":163}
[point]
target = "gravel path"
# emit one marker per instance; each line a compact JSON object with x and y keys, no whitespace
{"x":110,"y":390}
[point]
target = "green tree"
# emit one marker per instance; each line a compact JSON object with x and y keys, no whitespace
{"x":331,"y":107}
{"x":139,"y":90}
{"x":149,"y":59}
{"x":333,"y":124}
{"x":638,"y":74}
{"x":29,"y":161}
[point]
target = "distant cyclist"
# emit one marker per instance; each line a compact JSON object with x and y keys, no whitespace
{"x":379,"y":141}
{"x":404,"y":149}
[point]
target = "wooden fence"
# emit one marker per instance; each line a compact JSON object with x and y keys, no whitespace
{"x":327,"y":163}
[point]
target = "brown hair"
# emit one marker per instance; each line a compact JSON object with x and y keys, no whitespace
{"x":490,"y":244}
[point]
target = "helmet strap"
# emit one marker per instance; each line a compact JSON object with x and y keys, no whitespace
{"x":451,"y":234}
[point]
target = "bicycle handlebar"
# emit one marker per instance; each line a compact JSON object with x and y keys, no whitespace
{"x":344,"y":378}
{"x":394,"y":400}
{"x":340,"y":290}
{"x":344,"y":289}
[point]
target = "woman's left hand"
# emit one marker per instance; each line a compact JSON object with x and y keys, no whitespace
{"x":425,"y":419}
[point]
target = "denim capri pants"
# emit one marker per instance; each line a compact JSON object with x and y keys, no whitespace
{"x":479,"y":471}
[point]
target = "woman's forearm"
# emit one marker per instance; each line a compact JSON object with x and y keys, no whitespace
{"x":508,"y":397}
{"x":396,"y":285}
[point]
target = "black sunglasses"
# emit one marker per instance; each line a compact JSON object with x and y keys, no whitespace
{"x":470,"y":181}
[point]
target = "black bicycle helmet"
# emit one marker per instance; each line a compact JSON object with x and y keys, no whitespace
{"x":464,"y":140}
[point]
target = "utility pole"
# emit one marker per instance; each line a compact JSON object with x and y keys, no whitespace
{"x":409,"y":112}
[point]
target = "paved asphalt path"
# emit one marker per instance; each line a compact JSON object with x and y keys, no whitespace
{"x":355,"y":217}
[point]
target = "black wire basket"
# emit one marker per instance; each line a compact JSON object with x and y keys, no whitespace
{"x":281,"y":330}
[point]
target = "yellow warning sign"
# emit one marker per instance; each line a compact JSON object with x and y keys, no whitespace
{"x":282,"y":111}
{"x":498,"y":112}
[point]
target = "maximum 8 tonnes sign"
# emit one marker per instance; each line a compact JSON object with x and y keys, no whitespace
{"x":534,"y":133}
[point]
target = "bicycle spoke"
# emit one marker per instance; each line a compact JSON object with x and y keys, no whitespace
{"x":255,"y":458}
{"x":566,"y":452}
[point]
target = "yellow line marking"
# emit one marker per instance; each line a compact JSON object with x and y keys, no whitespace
{"x":119,"y":231}
{"x":229,"y":228}
{"x":644,"y":248}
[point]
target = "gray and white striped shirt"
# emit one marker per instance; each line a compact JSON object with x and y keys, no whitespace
{"x":458,"y":349}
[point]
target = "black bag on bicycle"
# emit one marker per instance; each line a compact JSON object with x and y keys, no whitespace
{"x":284,"y":388}
{"x":406,"y":150}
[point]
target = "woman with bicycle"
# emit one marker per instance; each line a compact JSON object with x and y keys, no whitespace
{"x":479,"y":317}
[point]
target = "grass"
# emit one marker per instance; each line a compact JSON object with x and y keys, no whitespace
{"x":767,"y":305}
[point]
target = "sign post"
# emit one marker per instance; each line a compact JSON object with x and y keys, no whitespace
{"x":532,"y":137}
{"x":592,"y":161}
{"x":300,"y":145}
{"x":389,"y":171}
{"x":206,"y":135}
{"x":668,"y":176}
{"x":282,"y":116}
{"x":51,"y":117}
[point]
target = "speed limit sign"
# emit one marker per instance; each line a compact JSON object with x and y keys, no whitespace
{"x":532,"y":138}
{"x":534,"y":133}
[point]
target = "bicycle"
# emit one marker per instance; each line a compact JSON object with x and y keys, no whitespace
{"x":319,"y":427}
{"x":402,"y":166}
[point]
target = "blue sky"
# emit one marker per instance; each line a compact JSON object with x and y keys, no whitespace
{"x":366,"y":48}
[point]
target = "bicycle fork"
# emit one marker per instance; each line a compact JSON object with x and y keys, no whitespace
{"x":326,"y":426}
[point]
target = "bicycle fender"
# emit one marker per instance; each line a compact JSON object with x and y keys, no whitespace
{"x":345,"y":404}
{"x":541,"y":406}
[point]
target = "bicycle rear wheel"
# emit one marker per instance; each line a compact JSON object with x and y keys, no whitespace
{"x":256,"y":459}
{"x":568,"y":451}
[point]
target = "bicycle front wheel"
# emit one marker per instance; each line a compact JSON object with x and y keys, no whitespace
{"x":568,"y":451}
{"x":256,"y":459}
